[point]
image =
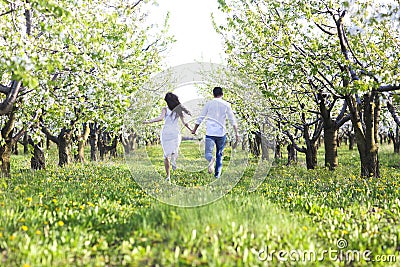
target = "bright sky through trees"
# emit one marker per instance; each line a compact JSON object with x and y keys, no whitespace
{"x":190,"y":23}
{"x":196,"y":40}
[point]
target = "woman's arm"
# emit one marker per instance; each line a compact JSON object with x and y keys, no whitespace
{"x":159,"y":118}
{"x":184,"y":123}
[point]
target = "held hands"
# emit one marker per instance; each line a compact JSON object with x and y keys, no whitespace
{"x":195,"y":128}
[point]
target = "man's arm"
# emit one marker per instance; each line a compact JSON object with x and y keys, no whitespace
{"x":232,"y":119}
{"x":201,"y":118}
{"x":235,"y":128}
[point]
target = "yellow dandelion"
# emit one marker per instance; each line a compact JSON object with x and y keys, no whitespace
{"x":29,"y":199}
{"x":12,"y":237}
{"x":1,"y":235}
{"x":305,"y":228}
{"x":38,"y":232}
{"x":26,"y":265}
{"x":24,"y":228}
{"x":60,"y":223}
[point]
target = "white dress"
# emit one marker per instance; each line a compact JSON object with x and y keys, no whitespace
{"x":170,"y":134}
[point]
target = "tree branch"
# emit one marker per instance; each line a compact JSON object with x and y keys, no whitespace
{"x":342,"y":111}
{"x":4,"y":89}
{"x":388,"y":88}
{"x":343,"y":120}
{"x":49,"y":135}
{"x":324,"y":30}
{"x":317,"y":131}
{"x":7,"y":12}
{"x":392,"y":111}
{"x":9,"y":125}
{"x":300,"y":149}
{"x":8,"y":103}
{"x":136,"y":4}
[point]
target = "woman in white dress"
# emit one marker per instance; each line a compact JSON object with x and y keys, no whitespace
{"x":170,"y":134}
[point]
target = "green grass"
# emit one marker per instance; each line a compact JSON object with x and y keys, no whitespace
{"x":95,"y":214}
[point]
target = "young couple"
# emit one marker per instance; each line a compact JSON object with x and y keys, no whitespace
{"x":216,"y":111}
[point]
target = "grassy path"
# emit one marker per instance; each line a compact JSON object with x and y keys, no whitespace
{"x":96,"y":215}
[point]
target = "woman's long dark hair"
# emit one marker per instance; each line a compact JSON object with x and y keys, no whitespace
{"x":174,"y":105}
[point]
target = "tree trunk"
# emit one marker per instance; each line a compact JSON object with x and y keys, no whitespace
{"x":352,"y":141}
{"x":311,"y":143}
{"x":113,"y":147}
{"x":25,"y":143}
{"x":344,"y":139}
{"x":81,"y":143}
{"x":369,"y":160}
{"x":100,"y":145}
{"x":311,"y":148}
{"x":126,"y":144}
{"x":93,"y":141}
{"x":15,"y":149}
{"x":47,"y":143}
{"x":64,"y":145}
{"x":330,"y":132}
{"x":9,"y":141}
{"x":254,"y":144}
{"x":5,"y":155}
{"x":396,"y":140}
{"x":330,"y":142}
{"x":278,"y":152}
{"x":292,"y":155}
{"x":311,"y":156}
{"x":38,"y":160}
{"x":366,"y":134}
{"x":81,"y":151}
{"x":264,"y":148}
{"x":244,"y":143}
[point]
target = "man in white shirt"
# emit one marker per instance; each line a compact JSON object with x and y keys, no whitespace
{"x":216,"y":112}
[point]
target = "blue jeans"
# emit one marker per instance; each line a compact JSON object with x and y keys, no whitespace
{"x":219,"y":142}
